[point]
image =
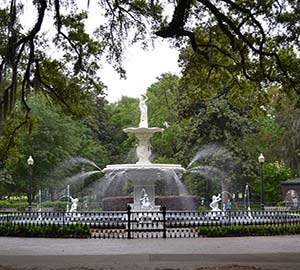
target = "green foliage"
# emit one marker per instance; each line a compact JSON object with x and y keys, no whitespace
{"x":19,"y":205}
{"x":53,"y":138}
{"x":273,"y":173}
{"x":287,"y":117}
{"x":216,"y":104}
{"x":220,"y":96}
{"x":45,"y":230}
{"x":5,"y":177}
{"x":163,"y":98}
{"x":55,"y":205}
{"x":248,"y":230}
{"x":122,"y":114}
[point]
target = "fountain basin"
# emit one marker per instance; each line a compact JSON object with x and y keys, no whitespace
{"x":161,"y":182}
{"x":172,"y":203}
{"x":147,"y":166}
{"x":143,"y":130}
{"x":148,"y":174}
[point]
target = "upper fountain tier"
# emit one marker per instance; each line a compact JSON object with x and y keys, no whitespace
{"x":143,"y":151}
{"x":144,"y":135}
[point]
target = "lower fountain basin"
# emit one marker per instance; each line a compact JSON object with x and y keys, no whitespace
{"x":172,"y":203}
{"x":142,"y":174}
{"x":146,"y":182}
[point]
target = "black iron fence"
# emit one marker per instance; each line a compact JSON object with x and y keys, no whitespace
{"x":152,"y":224}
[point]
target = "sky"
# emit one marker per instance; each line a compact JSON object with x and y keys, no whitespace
{"x":142,"y":69}
{"x":142,"y":66}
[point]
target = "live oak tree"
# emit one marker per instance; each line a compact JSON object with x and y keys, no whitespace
{"x":258,"y":41}
{"x":255,"y":31}
{"x":26,"y":62}
{"x":218,"y":105}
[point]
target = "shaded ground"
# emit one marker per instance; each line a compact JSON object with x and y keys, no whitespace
{"x":228,"y":267}
{"x":244,"y":253}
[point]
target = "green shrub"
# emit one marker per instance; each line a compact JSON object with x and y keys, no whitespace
{"x":22,"y":205}
{"x":248,"y":230}
{"x":45,"y":230}
{"x":56,"y":205}
{"x":18,"y":205}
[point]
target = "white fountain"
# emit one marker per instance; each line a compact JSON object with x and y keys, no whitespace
{"x":143,"y":173}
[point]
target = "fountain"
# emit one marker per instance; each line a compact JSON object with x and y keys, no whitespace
{"x":152,"y":186}
{"x":144,"y":177}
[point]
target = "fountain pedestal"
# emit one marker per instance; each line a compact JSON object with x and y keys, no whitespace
{"x":144,"y":193}
{"x":144,"y":135}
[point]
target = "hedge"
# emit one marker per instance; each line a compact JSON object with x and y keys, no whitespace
{"x":45,"y":230}
{"x":248,"y":230}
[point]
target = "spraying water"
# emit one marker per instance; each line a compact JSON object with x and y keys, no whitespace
{"x":209,"y":152}
{"x":217,"y":164}
{"x":80,"y":160}
{"x":80,"y":177}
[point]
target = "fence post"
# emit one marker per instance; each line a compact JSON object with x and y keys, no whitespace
{"x":229,"y":217}
{"x":128,"y":222}
{"x":63,"y":215}
{"x":164,"y":222}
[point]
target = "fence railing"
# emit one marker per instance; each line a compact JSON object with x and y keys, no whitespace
{"x":152,"y":224}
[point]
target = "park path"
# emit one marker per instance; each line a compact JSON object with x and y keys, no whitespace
{"x":278,"y":252}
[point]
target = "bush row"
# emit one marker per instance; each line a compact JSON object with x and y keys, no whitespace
{"x":18,"y":205}
{"x":45,"y":230}
{"x":22,"y":206}
{"x":248,"y":230}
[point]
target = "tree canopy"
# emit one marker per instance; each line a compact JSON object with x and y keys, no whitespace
{"x":239,"y":85}
{"x":260,"y":39}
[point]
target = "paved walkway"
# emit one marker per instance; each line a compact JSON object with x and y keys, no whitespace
{"x":280,"y":252}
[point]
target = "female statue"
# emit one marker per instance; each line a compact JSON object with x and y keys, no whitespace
{"x":144,"y":112}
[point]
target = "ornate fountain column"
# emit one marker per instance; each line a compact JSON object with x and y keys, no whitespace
{"x":143,"y":190}
{"x":143,"y":133}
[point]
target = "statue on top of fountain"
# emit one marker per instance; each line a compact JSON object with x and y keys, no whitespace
{"x":144,"y":112}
